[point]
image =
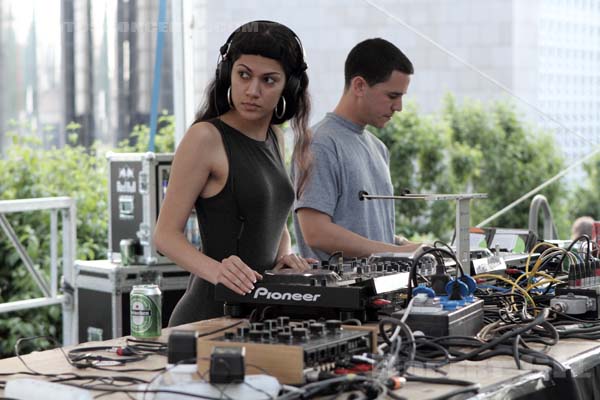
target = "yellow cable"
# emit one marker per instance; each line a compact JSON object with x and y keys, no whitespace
{"x":513,"y":284}
{"x":533,"y":251}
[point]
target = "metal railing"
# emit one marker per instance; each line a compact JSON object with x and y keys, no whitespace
{"x":540,"y":201}
{"x":65,"y":206}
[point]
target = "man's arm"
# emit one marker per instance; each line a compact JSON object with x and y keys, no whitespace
{"x":321,"y":233}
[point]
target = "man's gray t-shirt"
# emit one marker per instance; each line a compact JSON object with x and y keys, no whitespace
{"x":346,"y":160}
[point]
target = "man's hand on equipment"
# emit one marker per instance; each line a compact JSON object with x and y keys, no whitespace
{"x":294,"y":262}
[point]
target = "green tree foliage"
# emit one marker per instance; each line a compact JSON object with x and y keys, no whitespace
{"x":418,"y":162}
{"x":469,"y":148}
{"x":585,"y":198}
{"x":139,"y":139}
{"x":29,"y":171}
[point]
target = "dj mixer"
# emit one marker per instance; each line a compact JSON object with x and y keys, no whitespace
{"x":287,"y":349}
{"x":344,"y":289}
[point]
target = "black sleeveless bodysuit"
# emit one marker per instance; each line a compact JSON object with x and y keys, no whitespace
{"x":245,"y":219}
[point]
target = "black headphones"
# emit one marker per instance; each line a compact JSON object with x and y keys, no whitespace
{"x":293,"y":85}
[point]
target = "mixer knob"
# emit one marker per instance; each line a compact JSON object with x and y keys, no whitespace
{"x":243,"y":331}
{"x":257,"y":326}
{"x":333,"y":325}
{"x":317,"y":329}
{"x":313,"y":282}
{"x":284,"y":337}
{"x":270,"y":324}
{"x":323,"y":282}
{"x":283,"y":321}
{"x":300,"y":333}
{"x":255,"y":336}
{"x":229,"y":335}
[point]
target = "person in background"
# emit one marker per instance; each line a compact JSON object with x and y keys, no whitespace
{"x":230,"y":167}
{"x":582,"y":226}
{"x":347,"y":159}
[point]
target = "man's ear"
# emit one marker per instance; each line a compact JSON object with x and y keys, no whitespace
{"x":358,"y":86}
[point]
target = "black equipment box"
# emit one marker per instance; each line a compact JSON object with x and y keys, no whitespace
{"x":102,"y":295}
{"x":137,"y":185}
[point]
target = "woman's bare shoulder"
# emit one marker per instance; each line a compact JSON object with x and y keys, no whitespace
{"x":202,"y":134}
{"x":201,"y":145}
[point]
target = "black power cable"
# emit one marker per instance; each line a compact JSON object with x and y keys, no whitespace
{"x":438,"y":252}
{"x":568,"y":249}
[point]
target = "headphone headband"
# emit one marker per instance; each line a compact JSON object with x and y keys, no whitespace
{"x":224,"y":50}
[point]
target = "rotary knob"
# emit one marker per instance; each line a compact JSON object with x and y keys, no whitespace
{"x":284,"y":337}
{"x":257,"y":326}
{"x":300,"y":333}
{"x":317,"y":329}
{"x":243,"y":331}
{"x":255,"y":336}
{"x":333,"y":325}
{"x":269,"y":324}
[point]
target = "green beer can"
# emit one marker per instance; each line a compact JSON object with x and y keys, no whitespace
{"x":146,"y":305}
{"x":127,"y":247}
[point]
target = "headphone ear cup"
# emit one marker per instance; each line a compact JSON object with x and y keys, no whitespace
{"x":293,"y":87}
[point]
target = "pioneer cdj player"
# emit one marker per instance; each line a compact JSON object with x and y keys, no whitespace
{"x":345,"y":289}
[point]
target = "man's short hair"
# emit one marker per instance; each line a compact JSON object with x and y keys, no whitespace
{"x":374,"y":60}
{"x":582,"y":226}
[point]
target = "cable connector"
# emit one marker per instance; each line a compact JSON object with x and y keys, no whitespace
{"x":395,"y":382}
{"x":125,"y":351}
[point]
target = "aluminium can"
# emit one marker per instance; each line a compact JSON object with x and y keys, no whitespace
{"x":127,"y":247}
{"x":146,"y":317}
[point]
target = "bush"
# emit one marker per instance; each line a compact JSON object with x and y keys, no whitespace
{"x":29,"y":171}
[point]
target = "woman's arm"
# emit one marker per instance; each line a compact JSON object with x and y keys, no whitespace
{"x":285,"y":257}
{"x":285,"y":244}
{"x":193,"y":172}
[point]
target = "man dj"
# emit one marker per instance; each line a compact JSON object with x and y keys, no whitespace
{"x":329,"y":216}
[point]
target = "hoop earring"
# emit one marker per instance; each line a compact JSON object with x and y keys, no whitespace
{"x":229,"y":98}
{"x":277,"y":114}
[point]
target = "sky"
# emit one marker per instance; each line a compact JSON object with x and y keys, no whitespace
{"x":47,"y":19}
